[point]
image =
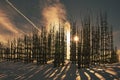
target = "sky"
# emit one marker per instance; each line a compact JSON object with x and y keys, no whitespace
{"x":32,"y":9}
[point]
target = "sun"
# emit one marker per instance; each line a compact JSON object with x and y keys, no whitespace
{"x":76,"y":38}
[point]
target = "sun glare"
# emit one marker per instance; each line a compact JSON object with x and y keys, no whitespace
{"x":68,"y":45}
{"x":67,"y":30}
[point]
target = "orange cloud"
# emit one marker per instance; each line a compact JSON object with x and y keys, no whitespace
{"x":6,"y":23}
{"x":53,"y":14}
{"x":7,"y":29}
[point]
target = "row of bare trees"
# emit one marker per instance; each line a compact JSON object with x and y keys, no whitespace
{"x":40,"y":47}
{"x":95,"y":45}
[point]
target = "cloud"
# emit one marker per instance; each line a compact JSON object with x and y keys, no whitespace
{"x":7,"y":29}
{"x":6,"y":23}
{"x":53,"y":13}
{"x":12,"y":24}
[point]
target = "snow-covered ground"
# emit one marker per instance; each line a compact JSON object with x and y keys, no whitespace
{"x":31,"y":71}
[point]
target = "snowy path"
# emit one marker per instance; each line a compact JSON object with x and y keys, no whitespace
{"x":21,"y":71}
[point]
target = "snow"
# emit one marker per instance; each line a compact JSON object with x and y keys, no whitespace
{"x":31,"y":71}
